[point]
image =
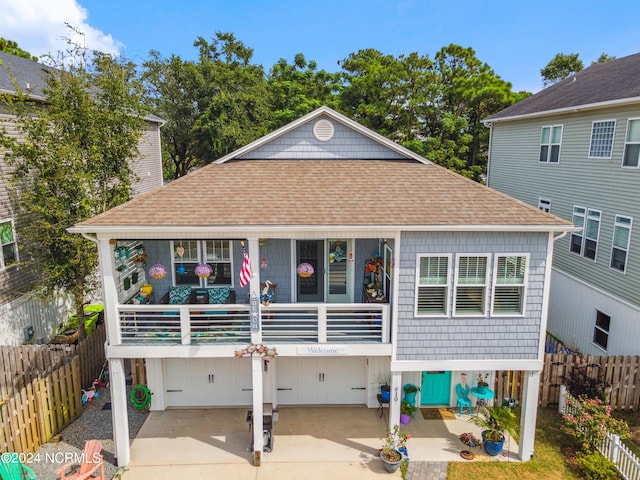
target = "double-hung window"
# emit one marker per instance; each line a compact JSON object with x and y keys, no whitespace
{"x":601,"y":330}
{"x":471,"y":285}
{"x":433,"y":285}
{"x":187,"y":254}
{"x":602,"y":133}
{"x":620,"y":243}
{"x":9,"y":254}
{"x":550,"y":140}
{"x":631,"y":157}
{"x":510,"y":274}
{"x":585,"y":242}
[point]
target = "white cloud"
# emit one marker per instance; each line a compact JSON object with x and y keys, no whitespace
{"x":38,"y":26}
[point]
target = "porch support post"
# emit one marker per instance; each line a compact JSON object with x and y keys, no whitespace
{"x":396,"y":398}
{"x":256,"y":371}
{"x":119,"y":411}
{"x":529,"y":412}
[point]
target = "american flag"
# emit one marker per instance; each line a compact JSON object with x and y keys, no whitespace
{"x":245,"y":271}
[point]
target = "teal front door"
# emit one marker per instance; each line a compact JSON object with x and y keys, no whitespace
{"x":435,"y":388}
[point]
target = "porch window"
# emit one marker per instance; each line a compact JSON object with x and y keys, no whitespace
{"x":471,"y":285}
{"x":217,"y":253}
{"x":509,"y":292}
{"x":432,"y":285}
{"x":9,"y":255}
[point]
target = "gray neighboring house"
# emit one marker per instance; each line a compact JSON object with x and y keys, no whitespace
{"x":384,"y":264}
{"x":573,"y":150}
{"x":23,"y":318}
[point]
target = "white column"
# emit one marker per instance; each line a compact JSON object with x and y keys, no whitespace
{"x":396,"y":398}
{"x":528,"y":414}
{"x":256,"y":370}
{"x":155,"y":383}
{"x":119,"y":411}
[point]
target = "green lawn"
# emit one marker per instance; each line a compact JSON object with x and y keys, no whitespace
{"x":547,"y":463}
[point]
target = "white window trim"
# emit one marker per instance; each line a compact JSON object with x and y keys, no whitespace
{"x":583,"y":233}
{"x":525,"y":285}
{"x":544,"y":202}
{"x":15,"y":241}
{"x":613,"y":138}
{"x":200,"y":248}
{"x":629,"y":120}
{"x":613,"y":233}
{"x":487,"y":292}
{"x":551,"y":144}
{"x":449,"y":257}
{"x":595,"y":326}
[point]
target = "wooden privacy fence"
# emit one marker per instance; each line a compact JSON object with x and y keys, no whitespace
{"x":41,"y":389}
{"x":619,"y":374}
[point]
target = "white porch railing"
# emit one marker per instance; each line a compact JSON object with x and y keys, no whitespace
{"x":611,"y":447}
{"x":201,"y":324}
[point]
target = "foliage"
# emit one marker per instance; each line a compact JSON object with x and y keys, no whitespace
{"x":9,"y":46}
{"x":604,"y":57}
{"x":393,"y":444}
{"x":411,"y":388}
{"x":560,"y":67}
{"x":383,"y":379}
{"x":496,"y":420}
{"x":589,"y":419}
{"x":407,"y":408}
{"x":595,"y":466}
{"x":72,"y":162}
{"x":483,"y":380}
{"x":582,"y":383}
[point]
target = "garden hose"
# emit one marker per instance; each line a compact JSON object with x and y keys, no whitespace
{"x":140,"y":397}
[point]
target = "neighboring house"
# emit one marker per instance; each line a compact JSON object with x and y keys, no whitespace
{"x":22,"y":317}
{"x":460,"y":274}
{"x":573,"y":150}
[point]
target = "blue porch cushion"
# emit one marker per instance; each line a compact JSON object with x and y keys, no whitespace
{"x":179,"y":295}
{"x":218,"y":295}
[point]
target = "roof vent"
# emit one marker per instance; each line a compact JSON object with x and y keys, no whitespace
{"x":323,"y":130}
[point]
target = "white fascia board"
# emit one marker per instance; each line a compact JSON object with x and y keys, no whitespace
{"x":185,"y":231}
{"x":558,"y":111}
{"x":463,"y":365}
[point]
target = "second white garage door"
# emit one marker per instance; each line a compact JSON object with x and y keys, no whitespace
{"x":321,"y":380}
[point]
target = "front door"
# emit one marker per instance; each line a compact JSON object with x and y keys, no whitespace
{"x":339,"y":272}
{"x":435,"y":388}
{"x":310,"y":288}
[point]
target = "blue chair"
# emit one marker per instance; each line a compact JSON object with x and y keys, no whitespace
{"x":463,"y":398}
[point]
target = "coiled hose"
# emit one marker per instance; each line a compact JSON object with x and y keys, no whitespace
{"x":140,"y":397}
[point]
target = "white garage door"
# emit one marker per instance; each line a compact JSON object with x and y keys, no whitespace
{"x":204,"y":382}
{"x":321,"y":380}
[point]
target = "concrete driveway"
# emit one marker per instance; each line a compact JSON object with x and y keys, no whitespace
{"x":309,"y":442}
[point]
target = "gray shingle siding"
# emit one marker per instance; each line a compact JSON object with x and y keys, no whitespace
{"x":301,"y":144}
{"x":472,"y":338}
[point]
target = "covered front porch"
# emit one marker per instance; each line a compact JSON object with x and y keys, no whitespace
{"x":218,"y":440}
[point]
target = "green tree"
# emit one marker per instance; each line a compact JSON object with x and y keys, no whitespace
{"x":72,"y":162}
{"x":9,"y":46}
{"x":299,"y":88}
{"x":604,"y":57}
{"x":232,"y":97}
{"x":172,"y":94}
{"x":560,"y":67}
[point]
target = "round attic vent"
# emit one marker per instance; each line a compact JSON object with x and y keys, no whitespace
{"x":323,"y":130}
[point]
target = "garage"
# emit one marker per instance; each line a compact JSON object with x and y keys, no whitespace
{"x":322,"y":381}
{"x":207,"y":382}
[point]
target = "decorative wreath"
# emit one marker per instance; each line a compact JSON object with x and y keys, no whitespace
{"x":256,"y":349}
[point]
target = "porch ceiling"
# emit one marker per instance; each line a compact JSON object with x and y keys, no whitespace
{"x":293,"y":193}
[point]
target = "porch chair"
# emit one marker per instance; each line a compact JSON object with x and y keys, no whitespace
{"x":463,"y":398}
{"x":12,"y":469}
{"x":91,"y":461}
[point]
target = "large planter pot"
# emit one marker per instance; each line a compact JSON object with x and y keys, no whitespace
{"x":483,"y":388}
{"x":492,"y":447}
{"x":385,"y":391}
{"x":391,"y":464}
{"x":404,"y":419}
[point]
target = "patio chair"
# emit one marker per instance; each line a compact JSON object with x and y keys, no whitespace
{"x":463,"y":398}
{"x":12,"y":469}
{"x":91,"y":461}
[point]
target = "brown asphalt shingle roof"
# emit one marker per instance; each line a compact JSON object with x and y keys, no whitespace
{"x":602,"y":82}
{"x":322,"y":193}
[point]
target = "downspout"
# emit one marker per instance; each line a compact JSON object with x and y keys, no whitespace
{"x":490,"y":125}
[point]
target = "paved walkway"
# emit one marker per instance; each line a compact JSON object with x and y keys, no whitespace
{"x":427,"y":471}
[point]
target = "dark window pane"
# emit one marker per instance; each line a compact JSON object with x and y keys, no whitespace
{"x":576,"y":243}
{"x":631,"y":154}
{"x":544,"y":152}
{"x":555,"y":153}
{"x":590,"y":249}
{"x":618,"y":259}
{"x":603,"y":321}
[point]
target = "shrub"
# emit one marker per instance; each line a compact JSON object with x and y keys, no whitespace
{"x":596,"y":467}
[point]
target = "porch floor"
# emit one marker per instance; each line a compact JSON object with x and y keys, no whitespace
{"x":320,"y":440}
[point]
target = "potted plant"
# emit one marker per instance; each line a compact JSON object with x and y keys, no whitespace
{"x":483,"y":385}
{"x":410,"y":391}
{"x":495,"y":421}
{"x":406,"y":412}
{"x":140,"y":260}
{"x":394,"y":449}
{"x":384,"y":380}
{"x":470,"y":441}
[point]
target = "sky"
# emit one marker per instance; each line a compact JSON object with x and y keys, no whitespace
{"x":516,"y":38}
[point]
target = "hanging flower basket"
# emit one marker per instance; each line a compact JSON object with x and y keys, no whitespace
{"x":158,"y":271}
{"x":305,"y":270}
{"x":203,"y":270}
